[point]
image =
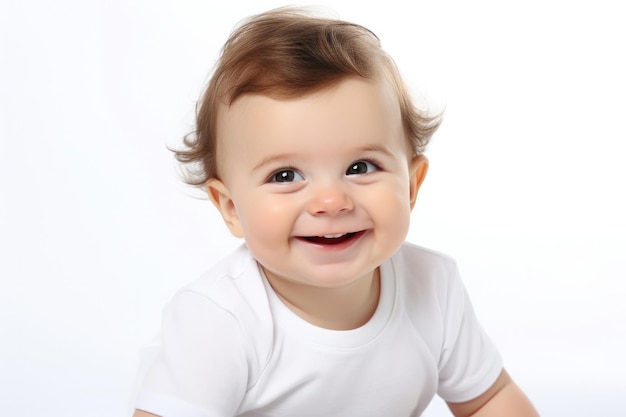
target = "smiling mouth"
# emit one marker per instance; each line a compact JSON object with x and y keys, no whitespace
{"x":333,"y":239}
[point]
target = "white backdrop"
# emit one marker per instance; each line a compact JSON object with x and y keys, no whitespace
{"x":526,"y":186}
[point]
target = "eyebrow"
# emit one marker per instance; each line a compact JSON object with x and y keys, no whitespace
{"x":290,"y":156}
{"x":273,"y":158}
{"x":377,"y":148}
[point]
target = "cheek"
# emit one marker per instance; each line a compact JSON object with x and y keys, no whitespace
{"x":391,"y":207}
{"x":264,"y":218}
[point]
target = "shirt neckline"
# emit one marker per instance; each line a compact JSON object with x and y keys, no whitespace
{"x":295,"y":326}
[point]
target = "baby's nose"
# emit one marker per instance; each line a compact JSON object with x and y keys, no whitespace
{"x":330,"y":200}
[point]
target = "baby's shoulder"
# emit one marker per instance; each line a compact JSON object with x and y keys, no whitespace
{"x":418,"y":260}
{"x":229,"y":278}
{"x":234,"y":287}
{"x":425,"y":276}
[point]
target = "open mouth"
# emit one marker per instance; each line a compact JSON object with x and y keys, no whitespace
{"x":333,"y":239}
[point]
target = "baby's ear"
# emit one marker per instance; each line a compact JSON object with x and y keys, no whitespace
{"x":220,"y":196}
{"x":418,"y":167}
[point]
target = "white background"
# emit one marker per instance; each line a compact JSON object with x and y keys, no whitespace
{"x":526,"y":187}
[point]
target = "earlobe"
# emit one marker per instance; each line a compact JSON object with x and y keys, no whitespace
{"x":220,"y":196}
{"x":418,"y":167}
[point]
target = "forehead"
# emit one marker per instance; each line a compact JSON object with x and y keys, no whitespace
{"x":350,"y":110}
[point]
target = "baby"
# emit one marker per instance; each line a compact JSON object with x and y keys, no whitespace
{"x":309,"y":145}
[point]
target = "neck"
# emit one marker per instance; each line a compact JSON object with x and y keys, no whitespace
{"x":344,"y":308}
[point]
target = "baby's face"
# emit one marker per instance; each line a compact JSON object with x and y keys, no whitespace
{"x":321,"y":187}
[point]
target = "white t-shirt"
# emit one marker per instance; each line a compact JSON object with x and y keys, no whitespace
{"x":230,"y":347}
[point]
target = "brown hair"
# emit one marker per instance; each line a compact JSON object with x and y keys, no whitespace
{"x":287,"y":53}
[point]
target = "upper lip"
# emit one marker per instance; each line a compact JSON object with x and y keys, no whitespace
{"x":331,"y":235}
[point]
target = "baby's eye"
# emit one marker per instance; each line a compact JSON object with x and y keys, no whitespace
{"x":286,"y":175}
{"x":361,"y":167}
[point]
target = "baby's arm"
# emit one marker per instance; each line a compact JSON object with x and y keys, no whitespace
{"x":140,"y":413}
{"x":504,"y":398}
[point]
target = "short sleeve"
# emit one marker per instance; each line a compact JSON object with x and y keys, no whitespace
{"x":200,"y":369}
{"x":469,"y":363}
